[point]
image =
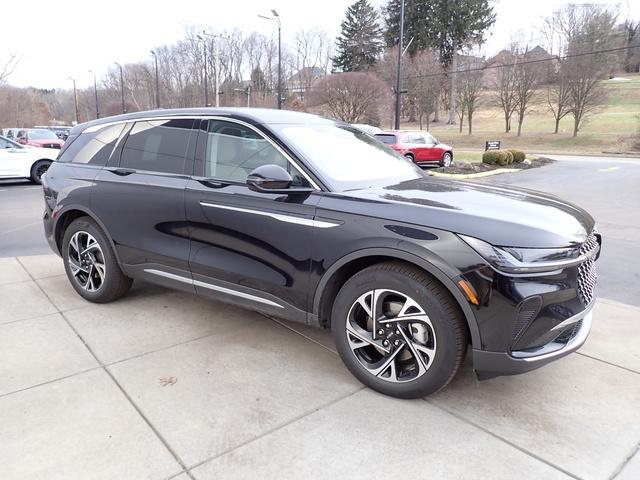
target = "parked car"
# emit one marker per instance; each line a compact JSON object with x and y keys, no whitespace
{"x":19,"y":161}
{"x":10,"y":133}
{"x":370,"y":129}
{"x":312,"y":220}
{"x":420,"y":147}
{"x":39,"y":137}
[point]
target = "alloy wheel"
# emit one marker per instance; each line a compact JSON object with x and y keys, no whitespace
{"x":446,"y":159}
{"x":391,"y":335}
{"x":86,"y":260}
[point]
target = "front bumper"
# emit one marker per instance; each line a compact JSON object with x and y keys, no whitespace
{"x":492,"y":364}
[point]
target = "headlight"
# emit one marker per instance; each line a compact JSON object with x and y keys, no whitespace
{"x":525,"y":260}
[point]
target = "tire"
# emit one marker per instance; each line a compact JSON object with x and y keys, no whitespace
{"x":90,"y":263}
{"x":446,"y":160}
{"x":439,"y":336}
{"x":409,"y":157}
{"x":38,"y":169}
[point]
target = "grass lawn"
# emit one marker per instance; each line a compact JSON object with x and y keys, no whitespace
{"x":613,"y":127}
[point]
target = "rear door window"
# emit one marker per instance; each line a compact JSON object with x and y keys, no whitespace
{"x":157,"y":145}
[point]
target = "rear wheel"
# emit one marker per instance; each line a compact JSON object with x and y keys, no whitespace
{"x":38,"y":169}
{"x":398,"y":330}
{"x":90,"y":263}
{"x":446,"y":159}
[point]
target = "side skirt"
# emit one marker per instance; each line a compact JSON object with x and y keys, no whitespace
{"x":226,"y":292}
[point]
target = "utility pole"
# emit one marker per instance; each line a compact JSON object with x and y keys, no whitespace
{"x":399,"y":70}
{"x":155,"y":60}
{"x":206,"y":86}
{"x":276,"y":18}
{"x":75,"y":99}
{"x":95,"y":92}
{"x":216,"y":63}
{"x":124,"y":108}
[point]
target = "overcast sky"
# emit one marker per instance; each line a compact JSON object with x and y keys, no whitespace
{"x":56,"y":40}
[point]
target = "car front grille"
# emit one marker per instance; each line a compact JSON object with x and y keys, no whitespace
{"x":587,"y":270}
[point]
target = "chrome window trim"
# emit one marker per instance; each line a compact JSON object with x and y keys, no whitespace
{"x":308,"y":222}
{"x":95,"y":128}
{"x":211,"y":286}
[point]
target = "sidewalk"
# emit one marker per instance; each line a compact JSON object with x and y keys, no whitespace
{"x":162,"y":385}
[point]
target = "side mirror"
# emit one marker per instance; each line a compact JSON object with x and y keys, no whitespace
{"x":273,"y":179}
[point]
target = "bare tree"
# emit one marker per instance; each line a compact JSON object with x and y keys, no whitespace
{"x":587,"y":31}
{"x":424,"y":83}
{"x":351,"y":96}
{"x":558,"y":98}
{"x":527,"y":78}
{"x":8,"y":67}
{"x":506,"y":85}
{"x":469,"y":88}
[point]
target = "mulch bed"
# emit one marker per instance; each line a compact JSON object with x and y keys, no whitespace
{"x":466,"y":167}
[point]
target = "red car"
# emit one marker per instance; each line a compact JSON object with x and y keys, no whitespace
{"x":39,"y":137}
{"x":420,"y":147}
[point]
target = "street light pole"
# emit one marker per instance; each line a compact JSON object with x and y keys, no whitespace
{"x":216,"y":63}
{"x":124,"y":108}
{"x":95,"y":92}
{"x":399,"y":70}
{"x":276,"y":18}
{"x":75,"y":100}
{"x":206,"y":86}
{"x":155,"y":61}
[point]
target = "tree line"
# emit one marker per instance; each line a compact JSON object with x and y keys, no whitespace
{"x":351,"y":78}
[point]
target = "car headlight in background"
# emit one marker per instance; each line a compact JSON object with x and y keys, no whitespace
{"x":525,"y":260}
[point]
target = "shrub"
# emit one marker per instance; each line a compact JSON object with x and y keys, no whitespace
{"x":490,"y":157}
{"x":509,"y":157}
{"x":518,"y":155}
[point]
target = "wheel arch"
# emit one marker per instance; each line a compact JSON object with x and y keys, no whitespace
{"x":68,"y":215}
{"x":347,"y":266}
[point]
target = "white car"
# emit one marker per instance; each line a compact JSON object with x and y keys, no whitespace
{"x":20,"y":161}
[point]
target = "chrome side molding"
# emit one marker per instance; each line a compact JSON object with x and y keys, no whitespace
{"x":211,"y":286}
{"x":308,"y":222}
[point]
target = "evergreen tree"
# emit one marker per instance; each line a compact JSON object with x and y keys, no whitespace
{"x":444,"y":25}
{"x":361,"y":38}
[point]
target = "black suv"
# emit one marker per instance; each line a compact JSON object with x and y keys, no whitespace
{"x":311,"y":220}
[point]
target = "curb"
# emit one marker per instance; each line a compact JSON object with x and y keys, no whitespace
{"x":497,"y":171}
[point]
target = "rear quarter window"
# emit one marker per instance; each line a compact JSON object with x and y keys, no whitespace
{"x":93,"y":148}
{"x":385,"y":138}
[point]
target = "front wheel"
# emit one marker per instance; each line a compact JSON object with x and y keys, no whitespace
{"x":398,"y":330}
{"x":38,"y":169}
{"x":90,"y":263}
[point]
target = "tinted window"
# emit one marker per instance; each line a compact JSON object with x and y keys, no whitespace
{"x":386,"y":139}
{"x":233,"y":151}
{"x":93,"y":148}
{"x":157,"y":145}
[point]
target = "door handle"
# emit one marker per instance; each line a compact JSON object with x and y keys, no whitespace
{"x":212,"y":183}
{"x":123,"y":171}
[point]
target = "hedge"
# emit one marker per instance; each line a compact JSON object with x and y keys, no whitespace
{"x":503,"y":157}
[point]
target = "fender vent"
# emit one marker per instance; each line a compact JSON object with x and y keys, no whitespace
{"x":525,"y":313}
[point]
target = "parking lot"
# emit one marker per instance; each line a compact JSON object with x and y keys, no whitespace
{"x":162,"y":384}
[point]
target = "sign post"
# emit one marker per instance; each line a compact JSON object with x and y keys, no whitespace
{"x":492,"y":145}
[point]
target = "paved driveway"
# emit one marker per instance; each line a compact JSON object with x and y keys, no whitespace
{"x":163,"y":384}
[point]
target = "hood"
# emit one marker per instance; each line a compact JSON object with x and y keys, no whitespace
{"x":500,"y":215}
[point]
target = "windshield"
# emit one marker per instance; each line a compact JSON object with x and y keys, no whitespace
{"x":347,"y":158}
{"x":42,"y":135}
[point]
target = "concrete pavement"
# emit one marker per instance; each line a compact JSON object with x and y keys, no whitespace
{"x":162,"y":384}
